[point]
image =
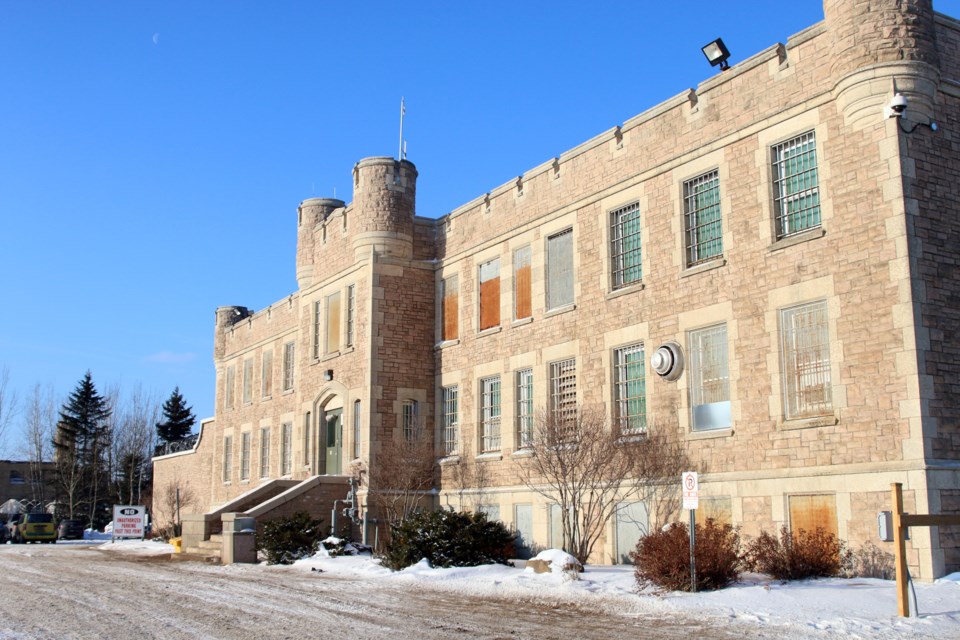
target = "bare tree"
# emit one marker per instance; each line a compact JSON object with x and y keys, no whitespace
{"x":172,"y":498}
{"x":579,"y":463}
{"x":133,"y":437}
{"x":36,"y":448}
{"x":402,"y":474}
{"x":8,"y":403}
{"x":469,"y":478}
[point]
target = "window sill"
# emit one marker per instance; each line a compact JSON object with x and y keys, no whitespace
{"x":490,"y":331}
{"x":809,"y":423}
{"x":625,"y":291}
{"x":711,"y":433}
{"x":560,"y":310}
{"x":709,"y":265}
{"x":264,"y":398}
{"x":632,"y":438}
{"x":519,"y":322}
{"x":797,"y":238}
{"x":447,"y":343}
{"x":329,"y":356}
{"x":488,"y":456}
{"x":227,"y":483}
{"x":447,"y":461}
{"x":244,"y":482}
{"x":525,"y":452}
{"x":286,"y":392}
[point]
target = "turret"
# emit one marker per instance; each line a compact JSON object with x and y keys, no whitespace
{"x":881,"y":47}
{"x":226,"y":318}
{"x":310,"y":213}
{"x":384,"y":202}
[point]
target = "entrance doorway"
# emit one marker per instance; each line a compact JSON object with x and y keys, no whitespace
{"x":333,"y":436}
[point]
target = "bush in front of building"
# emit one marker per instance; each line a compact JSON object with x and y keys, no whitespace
{"x":287,"y":539}
{"x":798,"y":555}
{"x":447,"y":538}
{"x":662,"y":559}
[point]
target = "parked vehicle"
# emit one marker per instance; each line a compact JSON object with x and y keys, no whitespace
{"x":33,"y":527}
{"x":70,"y":530}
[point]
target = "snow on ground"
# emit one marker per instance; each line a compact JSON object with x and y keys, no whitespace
{"x":854,"y":608}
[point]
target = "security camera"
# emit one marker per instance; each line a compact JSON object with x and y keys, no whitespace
{"x":896,"y":106}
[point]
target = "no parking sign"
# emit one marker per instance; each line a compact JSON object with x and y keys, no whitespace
{"x":129,"y":521}
{"x":691,"y":489}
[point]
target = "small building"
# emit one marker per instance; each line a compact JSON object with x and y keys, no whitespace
{"x":794,"y":241}
{"x":32,"y":484}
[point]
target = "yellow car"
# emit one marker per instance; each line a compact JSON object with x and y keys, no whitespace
{"x":33,"y":527}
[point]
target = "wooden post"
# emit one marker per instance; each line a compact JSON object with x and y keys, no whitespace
{"x":900,"y":550}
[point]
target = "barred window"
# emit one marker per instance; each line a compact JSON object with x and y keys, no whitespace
{"x":356,"y":428}
{"x":796,"y":192}
{"x":227,"y":458}
{"x":228,"y":387}
{"x":265,"y":452}
{"x":248,"y":380}
{"x":411,"y":420}
{"x":286,"y":446}
{"x":805,"y":352}
{"x":288,"y":363}
{"x":351,"y":312}
{"x":490,"y":413}
{"x":629,"y":386}
{"x":525,"y":407}
{"x":245,"y":455}
{"x":625,"y":246}
{"x":563,"y":391}
{"x":450,"y":308}
{"x":451,"y":427}
{"x":490,"y":294}
{"x":709,"y":378}
{"x":560,"y":269}
{"x":701,"y":209}
{"x":522,"y":298}
{"x":266,"y":375}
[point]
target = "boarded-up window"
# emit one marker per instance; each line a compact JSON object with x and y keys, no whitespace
{"x":248,"y":381}
{"x":490,"y":294}
{"x":265,"y":452}
{"x":227,"y":458}
{"x":333,"y":323}
{"x":288,"y":354}
{"x":266,"y":375}
{"x":450,"y":305}
{"x":245,"y":455}
{"x":560,"y":269}
{"x":522,"y":307}
{"x":812,"y":512}
{"x":228,"y":387}
{"x":719,"y":509}
{"x":316,"y":329}
{"x":286,"y":445}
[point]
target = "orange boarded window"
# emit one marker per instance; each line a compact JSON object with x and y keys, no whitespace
{"x":333,"y":323}
{"x":490,"y":294}
{"x":812,"y":512}
{"x":450,"y":296}
{"x":521,"y":283}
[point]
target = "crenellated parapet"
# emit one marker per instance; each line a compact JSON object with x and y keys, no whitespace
{"x":311,"y":213}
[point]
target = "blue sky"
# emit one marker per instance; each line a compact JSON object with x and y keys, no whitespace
{"x":153,"y":154}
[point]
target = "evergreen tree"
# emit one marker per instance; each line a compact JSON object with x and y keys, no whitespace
{"x":82,"y":443}
{"x":178,"y":418}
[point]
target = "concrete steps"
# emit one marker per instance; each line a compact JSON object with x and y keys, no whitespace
{"x":210,"y":550}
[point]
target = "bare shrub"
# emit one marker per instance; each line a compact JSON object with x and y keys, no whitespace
{"x":579,"y":463}
{"x":797,"y":555}
{"x":173,"y":497}
{"x":870,"y":561}
{"x":662,"y":559}
{"x":403,"y":473}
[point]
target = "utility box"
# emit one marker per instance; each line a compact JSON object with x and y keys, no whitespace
{"x":885,"y":527}
{"x":239,"y":539}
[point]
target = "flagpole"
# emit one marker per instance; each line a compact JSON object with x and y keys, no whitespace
{"x":403,"y":110}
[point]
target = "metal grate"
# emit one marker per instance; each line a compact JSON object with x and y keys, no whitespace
{"x":709,"y":377}
{"x":411,"y":421}
{"x":490,"y":413}
{"x":701,"y":208}
{"x":351,"y":311}
{"x":560,"y":269}
{"x":630,"y":401}
{"x":563,"y":393}
{"x":625,"y":246}
{"x":795,"y":185}
{"x":451,"y":428}
{"x":525,"y":407}
{"x":806,"y":361}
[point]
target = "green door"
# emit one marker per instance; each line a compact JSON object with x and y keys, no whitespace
{"x":334,"y":437}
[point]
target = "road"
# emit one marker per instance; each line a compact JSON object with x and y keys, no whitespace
{"x":76,"y":591}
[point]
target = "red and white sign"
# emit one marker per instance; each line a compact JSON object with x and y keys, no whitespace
{"x":690,"y":486}
{"x":129,"y":521}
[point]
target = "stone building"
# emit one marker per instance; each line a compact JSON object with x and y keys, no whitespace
{"x":796,"y":246}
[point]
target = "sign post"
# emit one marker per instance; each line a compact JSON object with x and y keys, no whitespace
{"x":690,"y":485}
{"x":129,"y":521}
